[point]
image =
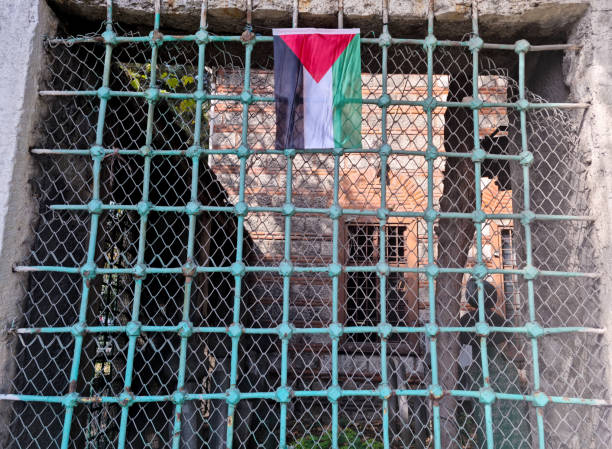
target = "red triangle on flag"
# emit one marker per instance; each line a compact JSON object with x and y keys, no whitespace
{"x":317,"y":52}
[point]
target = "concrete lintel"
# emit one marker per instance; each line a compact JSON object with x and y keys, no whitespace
{"x":507,"y":20}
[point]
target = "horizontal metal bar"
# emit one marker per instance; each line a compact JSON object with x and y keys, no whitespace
{"x":208,"y":151}
{"x":256,"y":39}
{"x":324,"y":211}
{"x":372,"y":101}
{"x":296,"y":269}
{"x":272,"y":395}
{"x":302,"y":331}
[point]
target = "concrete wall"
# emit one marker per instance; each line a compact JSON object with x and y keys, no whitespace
{"x":499,"y":19}
{"x":588,"y":74}
{"x":22,"y":27}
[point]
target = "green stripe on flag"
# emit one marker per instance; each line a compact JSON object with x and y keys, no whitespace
{"x":346,"y":84}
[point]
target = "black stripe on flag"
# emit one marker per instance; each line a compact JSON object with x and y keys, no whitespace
{"x":288,"y":96}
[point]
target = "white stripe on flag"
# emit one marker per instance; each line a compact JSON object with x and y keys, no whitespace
{"x":318,"y":111}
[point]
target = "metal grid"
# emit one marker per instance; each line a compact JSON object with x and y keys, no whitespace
{"x":123,"y":269}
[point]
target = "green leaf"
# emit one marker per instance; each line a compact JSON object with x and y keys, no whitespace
{"x":187,"y":105}
{"x":187,"y":80}
{"x":172,"y":82}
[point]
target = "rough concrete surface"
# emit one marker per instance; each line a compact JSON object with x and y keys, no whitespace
{"x":588,"y":74}
{"x":22,"y":26}
{"x":539,"y":20}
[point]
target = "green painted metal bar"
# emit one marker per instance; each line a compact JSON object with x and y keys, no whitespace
{"x":307,"y":269}
{"x":435,"y":389}
{"x":273,"y":395}
{"x":257,"y":38}
{"x":190,"y":263}
{"x":205,"y":152}
{"x":476,"y":45}
{"x":238,"y":266}
{"x":335,"y":329}
{"x":189,"y":209}
{"x":285,"y":329}
{"x":526,"y":105}
{"x":528,"y":329}
{"x":133,"y":329}
{"x":530,"y":270}
{"x":382,"y":221}
{"x":88,"y":270}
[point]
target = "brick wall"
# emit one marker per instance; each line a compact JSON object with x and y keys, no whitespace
{"x":311,"y":235}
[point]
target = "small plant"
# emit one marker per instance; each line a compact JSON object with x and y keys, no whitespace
{"x":348,"y":438}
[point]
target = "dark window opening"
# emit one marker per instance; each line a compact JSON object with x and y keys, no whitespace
{"x":362,"y":288}
{"x":396,"y":243}
{"x":508,"y":262}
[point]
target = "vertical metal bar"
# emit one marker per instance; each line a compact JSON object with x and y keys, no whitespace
{"x":430,"y":216}
{"x":340,"y":13}
{"x":285,"y":325}
{"x":238,"y":268}
{"x":144,"y":211}
{"x":294,"y":17}
{"x":430,"y":18}
{"x":204,"y":16}
{"x":385,"y":12}
{"x":530,"y":270}
{"x":190,"y":264}
{"x":249,"y":15}
{"x":88,"y":271}
{"x":476,"y":44}
{"x":385,"y":150}
{"x":335,"y":295}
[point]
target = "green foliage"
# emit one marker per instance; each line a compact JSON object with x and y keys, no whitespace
{"x":172,"y":78}
{"x":172,"y":82}
{"x":348,"y":438}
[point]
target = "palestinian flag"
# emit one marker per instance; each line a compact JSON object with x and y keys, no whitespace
{"x":315,"y":72}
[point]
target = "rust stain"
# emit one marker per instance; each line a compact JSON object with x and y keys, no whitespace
{"x":178,"y":420}
{"x":72,"y":387}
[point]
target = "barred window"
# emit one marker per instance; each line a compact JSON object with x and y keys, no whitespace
{"x":190,"y":284}
{"x":363,"y":287}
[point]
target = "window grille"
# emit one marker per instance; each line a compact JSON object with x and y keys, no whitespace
{"x":187,"y":279}
{"x":508,"y":262}
{"x":362,"y":287}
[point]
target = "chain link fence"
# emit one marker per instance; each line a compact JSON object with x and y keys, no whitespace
{"x":192,"y":286}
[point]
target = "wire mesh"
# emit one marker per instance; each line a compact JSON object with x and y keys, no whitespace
{"x":193,"y":286}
